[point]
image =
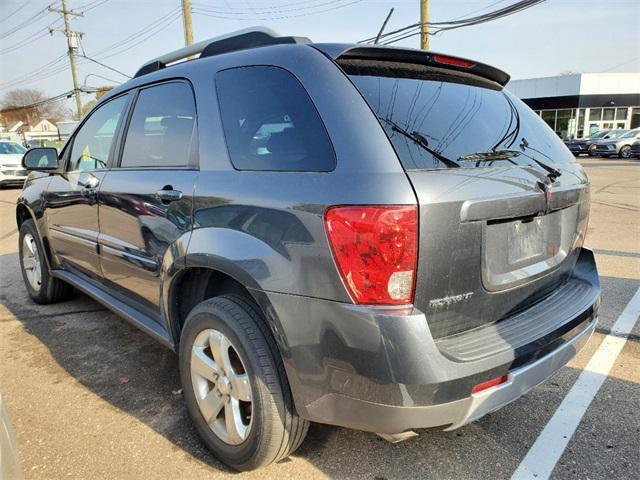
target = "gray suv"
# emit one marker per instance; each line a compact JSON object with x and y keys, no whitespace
{"x":378,"y":238}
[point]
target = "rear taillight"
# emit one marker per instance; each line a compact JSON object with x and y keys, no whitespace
{"x":375,"y":249}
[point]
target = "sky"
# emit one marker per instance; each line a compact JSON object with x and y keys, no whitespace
{"x":557,"y":36}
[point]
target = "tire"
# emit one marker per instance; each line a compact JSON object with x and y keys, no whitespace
{"x":273,"y":429}
{"x":625,"y":152}
{"x":41,"y":286}
{"x":591,"y":151}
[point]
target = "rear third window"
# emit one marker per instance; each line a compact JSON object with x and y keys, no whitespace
{"x":270,"y":122}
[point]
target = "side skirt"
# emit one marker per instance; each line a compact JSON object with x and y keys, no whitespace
{"x":130,"y":314}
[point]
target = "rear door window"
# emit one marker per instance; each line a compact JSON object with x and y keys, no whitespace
{"x":270,"y":122}
{"x":437,"y":120}
{"x":162,"y":127}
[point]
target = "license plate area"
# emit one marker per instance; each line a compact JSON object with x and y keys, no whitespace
{"x":515,"y":251}
{"x":525,"y":241}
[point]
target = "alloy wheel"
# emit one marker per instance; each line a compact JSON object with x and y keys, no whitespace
{"x":221,"y":385}
{"x":31,"y":261}
{"x":625,"y":152}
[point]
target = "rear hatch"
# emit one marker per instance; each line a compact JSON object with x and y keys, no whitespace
{"x":503,"y":205}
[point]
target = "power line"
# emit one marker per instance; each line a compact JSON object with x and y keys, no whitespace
{"x":38,"y":34}
{"x":172,"y":13}
{"x":257,"y":9}
{"x":621,"y":64}
{"x":16,"y":11}
{"x":39,"y":14}
{"x":249,"y":16}
{"x":39,"y":103}
{"x":45,"y":71}
{"x":271,"y":10}
{"x":414,"y":29}
{"x":95,"y":4}
{"x":149,"y":34}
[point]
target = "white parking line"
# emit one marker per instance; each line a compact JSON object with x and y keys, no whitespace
{"x":552,"y":441}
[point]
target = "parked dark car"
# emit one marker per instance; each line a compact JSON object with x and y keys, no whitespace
{"x":378,"y":238}
{"x":635,"y":149}
{"x":586,"y":145}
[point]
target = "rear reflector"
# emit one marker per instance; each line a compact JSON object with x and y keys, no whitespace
{"x":457,"y":62}
{"x":375,"y":249}
{"x":489,"y":383}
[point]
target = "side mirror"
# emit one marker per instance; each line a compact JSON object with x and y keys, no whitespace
{"x":41,"y":159}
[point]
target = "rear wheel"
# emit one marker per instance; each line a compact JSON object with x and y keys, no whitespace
{"x":592,"y":151}
{"x":235,"y":386}
{"x":41,"y":286}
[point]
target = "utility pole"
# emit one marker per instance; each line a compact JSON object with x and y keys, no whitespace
{"x":186,"y":20}
{"x":72,"y":45}
{"x":424,"y":27}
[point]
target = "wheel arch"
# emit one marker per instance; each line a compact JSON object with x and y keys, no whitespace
{"x":196,"y":282}
{"x":23,"y":213}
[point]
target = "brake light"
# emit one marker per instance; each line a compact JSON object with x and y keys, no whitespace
{"x":457,"y":62}
{"x":375,"y":249}
{"x":489,"y":383}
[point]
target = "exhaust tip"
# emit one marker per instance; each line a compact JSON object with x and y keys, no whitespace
{"x":398,"y":437}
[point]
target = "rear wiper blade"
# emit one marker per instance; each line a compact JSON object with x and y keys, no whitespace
{"x":421,"y":141}
{"x":491,"y":155}
{"x":552,"y":173}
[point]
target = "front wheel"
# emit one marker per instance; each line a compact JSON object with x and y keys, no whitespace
{"x":235,"y":386}
{"x":625,"y":152}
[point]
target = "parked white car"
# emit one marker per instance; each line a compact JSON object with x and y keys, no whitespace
{"x":11,"y":171}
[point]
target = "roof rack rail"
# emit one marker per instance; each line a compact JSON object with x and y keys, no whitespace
{"x":239,"y":40}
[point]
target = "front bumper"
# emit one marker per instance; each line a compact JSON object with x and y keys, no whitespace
{"x":578,"y":149}
{"x":380,"y":370}
{"x":605,"y":151}
{"x":14,"y":178}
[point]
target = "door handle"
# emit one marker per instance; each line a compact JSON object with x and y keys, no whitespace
{"x":168,"y":195}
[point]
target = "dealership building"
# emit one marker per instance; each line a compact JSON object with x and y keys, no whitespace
{"x":577,"y":105}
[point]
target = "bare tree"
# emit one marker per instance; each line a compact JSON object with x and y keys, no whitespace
{"x":11,"y":107}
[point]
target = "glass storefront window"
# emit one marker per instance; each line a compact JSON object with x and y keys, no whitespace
{"x":635,"y":118}
{"x":621,"y":114}
{"x":549,"y":116}
{"x":609,"y":114}
{"x":595,"y":114}
{"x":565,"y":123}
{"x":580,"y":123}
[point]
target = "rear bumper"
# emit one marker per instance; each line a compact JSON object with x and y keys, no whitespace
{"x":380,"y":370}
{"x":360,"y":414}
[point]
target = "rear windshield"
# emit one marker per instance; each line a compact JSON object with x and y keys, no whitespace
{"x":439,"y":120}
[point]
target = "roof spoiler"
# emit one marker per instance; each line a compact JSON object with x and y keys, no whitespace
{"x":239,"y":40}
{"x":420,"y":57}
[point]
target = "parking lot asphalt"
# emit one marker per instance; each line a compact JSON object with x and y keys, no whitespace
{"x":92,"y":397}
